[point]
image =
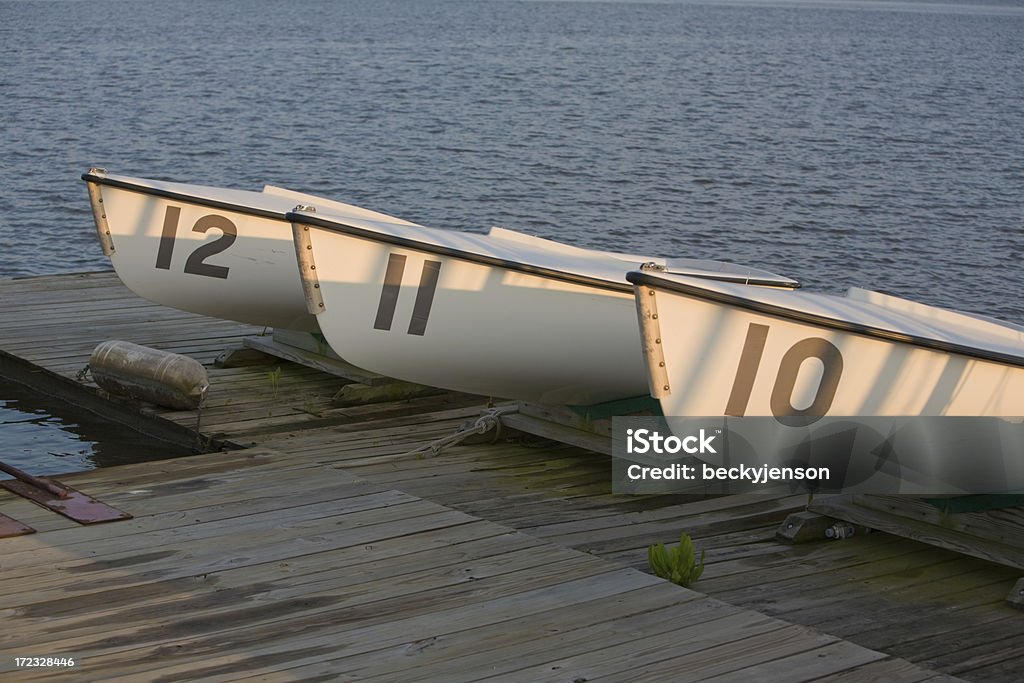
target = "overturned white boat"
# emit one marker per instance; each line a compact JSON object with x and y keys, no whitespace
{"x":219,"y":252}
{"x":501,"y":314}
{"x":715,"y":348}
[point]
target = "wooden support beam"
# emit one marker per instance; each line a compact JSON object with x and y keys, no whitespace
{"x":324,"y":363}
{"x":358,"y":394}
{"x":239,"y":356}
{"x":949,"y":533}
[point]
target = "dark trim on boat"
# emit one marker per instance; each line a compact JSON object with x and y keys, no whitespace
{"x":181,"y":197}
{"x":373,"y":235}
{"x":404,"y":242}
{"x":651,"y":280}
{"x":575,"y":278}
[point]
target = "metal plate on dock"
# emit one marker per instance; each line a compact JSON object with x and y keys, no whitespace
{"x":74,"y":505}
{"x":12,"y":527}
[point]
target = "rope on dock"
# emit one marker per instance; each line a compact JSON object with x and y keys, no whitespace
{"x":83,"y":375}
{"x":490,"y":420}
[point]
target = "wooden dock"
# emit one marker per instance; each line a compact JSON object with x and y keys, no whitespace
{"x":259,"y":564}
{"x":319,"y":552}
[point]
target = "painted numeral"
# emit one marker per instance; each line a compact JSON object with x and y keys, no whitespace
{"x":424,"y":297}
{"x":389,"y":293}
{"x":750,"y":360}
{"x":782,"y":393}
{"x":196,"y":262}
{"x":781,"y":402}
{"x":393,"y":286}
{"x":166,"y":250}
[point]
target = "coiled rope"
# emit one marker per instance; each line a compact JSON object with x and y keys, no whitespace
{"x":490,"y":420}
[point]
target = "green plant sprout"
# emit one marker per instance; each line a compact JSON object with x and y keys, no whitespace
{"x":275,"y":379}
{"x":677,"y":564}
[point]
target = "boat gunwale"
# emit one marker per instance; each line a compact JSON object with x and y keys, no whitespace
{"x":640,"y":278}
{"x":181,"y":196}
{"x":338,"y":226}
{"x":292,"y":218}
{"x":333,"y":225}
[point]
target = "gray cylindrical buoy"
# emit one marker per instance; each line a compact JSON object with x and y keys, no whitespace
{"x":139,"y":372}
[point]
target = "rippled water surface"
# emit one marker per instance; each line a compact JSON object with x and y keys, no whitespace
{"x":869,"y":143}
{"x":878,"y":144}
{"x":43,"y":435}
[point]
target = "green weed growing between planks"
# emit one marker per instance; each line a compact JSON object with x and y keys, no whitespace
{"x":275,"y":379}
{"x":677,"y":564}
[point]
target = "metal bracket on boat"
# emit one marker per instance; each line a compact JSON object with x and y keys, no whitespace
{"x":307,"y":266}
{"x":12,"y":527}
{"x":99,"y":213}
{"x":650,"y":335}
{"x":62,"y":499}
{"x":652,"y":267}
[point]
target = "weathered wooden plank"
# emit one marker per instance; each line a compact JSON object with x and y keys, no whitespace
{"x":159,"y":562}
{"x":971,"y":610}
{"x":72,"y":281}
{"x":698,"y":508}
{"x":510,"y":645}
{"x":365,"y":623}
{"x":94,"y":315}
{"x":808,"y":665}
{"x":731,"y":656}
{"x":1005,"y":670}
{"x":889,"y":670}
{"x":465,"y":545}
{"x":779,"y":594}
{"x":28,"y":325}
{"x":449,"y":402}
{"x":850,"y":555}
{"x":207,"y":505}
{"x":696,"y":526}
{"x":978,"y":651}
{"x":177,"y":507}
{"x":214,"y":600}
{"x":357,"y":510}
{"x":682,"y":655}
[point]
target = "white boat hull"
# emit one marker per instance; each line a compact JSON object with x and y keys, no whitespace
{"x":722,"y":359}
{"x":883,"y":394}
{"x":486,"y":331}
{"x":500,"y":314}
{"x":222,"y":253}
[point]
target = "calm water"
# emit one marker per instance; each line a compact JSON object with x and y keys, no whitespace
{"x":878,"y":144}
{"x":43,"y":435}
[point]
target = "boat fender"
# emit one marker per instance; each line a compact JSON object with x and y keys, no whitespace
{"x":139,"y":372}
